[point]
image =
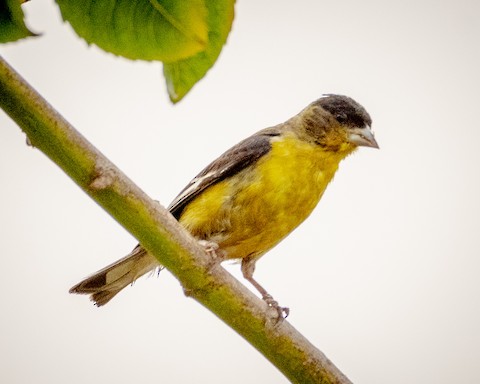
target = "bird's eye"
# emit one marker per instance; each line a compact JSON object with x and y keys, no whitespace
{"x":341,"y":117}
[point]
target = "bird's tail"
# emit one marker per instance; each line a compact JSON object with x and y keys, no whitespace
{"x":106,"y":283}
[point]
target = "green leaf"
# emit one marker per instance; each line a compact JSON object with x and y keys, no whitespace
{"x":182,"y":75}
{"x":164,"y":30}
{"x":12,"y":26}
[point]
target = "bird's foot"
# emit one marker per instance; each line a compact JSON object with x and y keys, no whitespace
{"x":212,"y":249}
{"x":282,"y":312}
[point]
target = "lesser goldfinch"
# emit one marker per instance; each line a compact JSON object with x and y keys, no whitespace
{"x":251,"y":197}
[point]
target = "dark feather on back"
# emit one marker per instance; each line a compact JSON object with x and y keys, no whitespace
{"x":228,"y":164}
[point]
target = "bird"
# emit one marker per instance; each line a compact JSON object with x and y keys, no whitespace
{"x":251,"y":197}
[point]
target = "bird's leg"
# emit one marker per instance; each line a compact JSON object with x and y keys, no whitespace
{"x":248,"y":267}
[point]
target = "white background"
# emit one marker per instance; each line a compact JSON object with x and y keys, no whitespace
{"x":383,"y":277}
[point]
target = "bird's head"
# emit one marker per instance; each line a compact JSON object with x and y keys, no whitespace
{"x":338,"y":123}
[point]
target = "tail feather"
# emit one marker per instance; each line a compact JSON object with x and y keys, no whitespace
{"x":103,"y":285}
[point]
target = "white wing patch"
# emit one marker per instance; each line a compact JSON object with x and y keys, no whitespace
{"x":195,"y":184}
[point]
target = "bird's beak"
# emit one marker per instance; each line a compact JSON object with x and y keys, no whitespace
{"x":363,"y":137}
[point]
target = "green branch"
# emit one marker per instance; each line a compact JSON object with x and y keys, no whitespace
{"x":202,"y":279}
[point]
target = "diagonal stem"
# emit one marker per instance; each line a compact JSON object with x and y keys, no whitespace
{"x":161,"y":235}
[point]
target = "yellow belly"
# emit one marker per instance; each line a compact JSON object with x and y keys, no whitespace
{"x":250,"y":212}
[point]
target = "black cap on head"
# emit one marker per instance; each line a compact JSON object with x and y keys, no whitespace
{"x":345,"y":110}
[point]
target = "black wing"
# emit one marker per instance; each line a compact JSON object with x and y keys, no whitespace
{"x":228,"y":164}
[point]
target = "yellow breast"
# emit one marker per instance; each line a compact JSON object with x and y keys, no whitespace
{"x":250,"y":212}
